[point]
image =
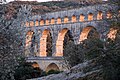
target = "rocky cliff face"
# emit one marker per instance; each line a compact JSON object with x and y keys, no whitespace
{"x":46,"y":7}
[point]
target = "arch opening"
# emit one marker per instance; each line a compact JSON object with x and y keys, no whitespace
{"x":88,"y":32}
{"x":66,"y":19}
{"x":41,"y":22}
{"x":47,"y":22}
{"x":46,"y":44}
{"x":27,"y":24}
{"x":52,"y":21}
{"x":37,"y":70}
{"x":36,"y":23}
{"x":74,"y":18}
{"x":31,"y":23}
{"x":109,"y":14}
{"x":82,"y":18}
{"x":99,"y":15}
{"x":29,"y":43}
{"x":90,"y":17}
{"x":58,"y":20}
{"x":52,"y":66}
{"x":64,"y":37}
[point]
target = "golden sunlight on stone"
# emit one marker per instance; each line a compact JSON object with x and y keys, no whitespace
{"x":112,"y":33}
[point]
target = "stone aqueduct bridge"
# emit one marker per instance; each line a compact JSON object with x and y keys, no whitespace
{"x":77,"y":22}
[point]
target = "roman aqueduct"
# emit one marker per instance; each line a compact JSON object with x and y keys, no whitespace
{"x":45,"y":34}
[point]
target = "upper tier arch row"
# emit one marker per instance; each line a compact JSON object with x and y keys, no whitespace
{"x":89,"y":13}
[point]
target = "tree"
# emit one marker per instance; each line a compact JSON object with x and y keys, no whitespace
{"x":25,"y":70}
{"x":11,"y":47}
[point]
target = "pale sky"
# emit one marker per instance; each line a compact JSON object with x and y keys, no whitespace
{"x":31,"y":0}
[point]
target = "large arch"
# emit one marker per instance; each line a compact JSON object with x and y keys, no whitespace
{"x":88,"y":32}
{"x":112,"y":33}
{"x":62,"y":39}
{"x":52,"y":66}
{"x":46,"y":44}
{"x":28,"y":42}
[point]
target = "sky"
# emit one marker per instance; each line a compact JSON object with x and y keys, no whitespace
{"x":31,"y":0}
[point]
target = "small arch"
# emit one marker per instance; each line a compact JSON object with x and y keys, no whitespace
{"x":88,"y":32}
{"x":36,"y":23}
{"x":109,"y":14}
{"x":47,"y":22}
{"x":90,"y":17}
{"x":27,"y":24}
{"x":52,"y":21}
{"x":41,"y":22}
{"x":66,"y":19}
{"x":74,"y":19}
{"x":82,"y":18}
{"x":52,"y":66}
{"x":99,"y":15}
{"x":46,"y":44}
{"x":31,"y":23}
{"x":58,"y":20}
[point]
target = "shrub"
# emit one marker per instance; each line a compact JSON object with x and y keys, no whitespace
{"x":53,"y":72}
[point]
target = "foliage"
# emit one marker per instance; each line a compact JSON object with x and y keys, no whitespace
{"x":26,"y":71}
{"x":93,"y":48}
{"x":11,"y":46}
{"x":73,"y":54}
{"x":53,"y":72}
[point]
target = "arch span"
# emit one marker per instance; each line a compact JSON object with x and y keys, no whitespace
{"x":52,"y":66}
{"x":88,"y":32}
{"x":46,"y":44}
{"x":28,"y":43}
{"x":62,"y":39}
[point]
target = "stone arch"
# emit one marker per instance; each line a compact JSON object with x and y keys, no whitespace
{"x":82,"y":18}
{"x":36,"y":23}
{"x":28,"y":43}
{"x":58,"y":20}
{"x":60,"y":41}
{"x":112,"y":33}
{"x":31,"y":23}
{"x":109,"y":15}
{"x":90,"y":16}
{"x":52,"y":21}
{"x":74,"y":19}
{"x":47,"y":22}
{"x":66,"y":19}
{"x":52,"y":66}
{"x":37,"y":69}
{"x":27,"y":24}
{"x":35,"y":65}
{"x":88,"y":32}
{"x":46,"y":44}
{"x":99,"y":15}
{"x":42,"y":22}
